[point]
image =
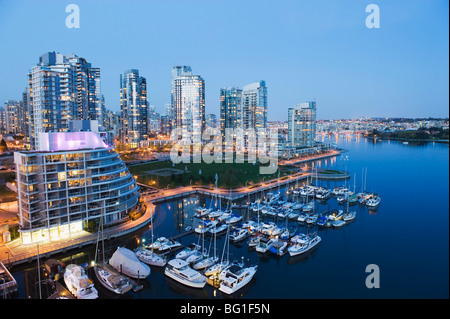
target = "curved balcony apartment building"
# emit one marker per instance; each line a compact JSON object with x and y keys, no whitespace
{"x":74,"y":177}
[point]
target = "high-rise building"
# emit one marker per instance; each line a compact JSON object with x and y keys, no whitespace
{"x":61,"y":88}
{"x":74,"y":177}
{"x":13,"y":108}
{"x":133,"y":108}
{"x":177,"y":71}
{"x":230,"y":108}
{"x":189,"y":106}
{"x":254,"y":106}
{"x":302,"y":125}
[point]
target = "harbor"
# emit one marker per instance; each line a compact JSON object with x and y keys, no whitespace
{"x":278,"y":274}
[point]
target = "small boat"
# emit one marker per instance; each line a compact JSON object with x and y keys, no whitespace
{"x":215,"y":214}
{"x":202,"y":212}
{"x":220,"y":229}
{"x":312,"y":219}
{"x":264,"y":244}
{"x":321,"y":221}
{"x":224,"y":216}
{"x":254,"y":241}
{"x":323,"y":193}
{"x":297,"y":206}
{"x":204,"y":226}
{"x":187,"y":251}
{"x":235,"y":218}
{"x":239,"y":234}
{"x":235,"y":277}
{"x":157,"y":244}
{"x":179,"y":270}
{"x":150,"y":258}
{"x":127,"y":263}
{"x":293,"y":215}
{"x":308,"y":207}
{"x":302,"y":217}
{"x":78,"y":283}
{"x":169,"y":245}
{"x":338,"y":223}
{"x":300,"y":239}
{"x":279,"y":247}
{"x":301,"y":248}
{"x":374,"y":201}
{"x":112,"y":281}
{"x":349,"y":216}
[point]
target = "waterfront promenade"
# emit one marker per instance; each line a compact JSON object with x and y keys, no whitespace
{"x":15,"y":253}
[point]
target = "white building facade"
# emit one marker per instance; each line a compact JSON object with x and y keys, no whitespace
{"x":73,"y":178}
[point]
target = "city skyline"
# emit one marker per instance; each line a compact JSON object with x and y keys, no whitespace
{"x":303,"y":51}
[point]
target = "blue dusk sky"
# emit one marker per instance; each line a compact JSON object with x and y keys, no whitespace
{"x":304,"y":49}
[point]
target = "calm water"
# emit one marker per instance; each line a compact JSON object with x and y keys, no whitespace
{"x":407,"y":237}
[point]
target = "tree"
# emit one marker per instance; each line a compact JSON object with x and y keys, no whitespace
{"x":3,"y":146}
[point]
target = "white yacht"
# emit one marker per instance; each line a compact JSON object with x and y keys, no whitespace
{"x":150,"y":258}
{"x":300,"y":248}
{"x":302,"y":217}
{"x":202,"y":212}
{"x":78,"y":283}
{"x":179,"y":270}
{"x":338,"y":223}
{"x":234,"y":218}
{"x":235,"y":277}
{"x":205,"y":262}
{"x":312,"y":219}
{"x":204,"y":226}
{"x":300,"y":238}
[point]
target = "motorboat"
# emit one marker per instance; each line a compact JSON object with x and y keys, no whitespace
{"x":224,"y":216}
{"x":321,"y":221}
{"x":301,"y":248}
{"x":264,"y":244}
{"x":235,"y":277}
{"x":279,"y":247}
{"x":202,"y":212}
{"x":297,"y":207}
{"x":268,"y":228}
{"x":374,"y":201}
{"x":338,"y":223}
{"x":323,"y":193}
{"x":235,"y":218}
{"x":111,"y":280}
{"x":219,"y":229}
{"x":300,"y":238}
{"x":169,"y":245}
{"x":293,"y":215}
{"x":156,"y":245}
{"x":308,"y":208}
{"x":254,"y":241}
{"x":127,"y":263}
{"x":283,"y":213}
{"x":78,"y":283}
{"x":349,"y":216}
{"x":196,"y":256}
{"x":302,"y":217}
{"x":204,"y":226}
{"x":187,"y":251}
{"x":179,"y":270}
{"x":239,"y":234}
{"x":215,"y":214}
{"x":312,"y":219}
{"x":150,"y":258}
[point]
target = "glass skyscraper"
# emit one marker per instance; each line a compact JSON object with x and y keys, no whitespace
{"x":134,"y":108}
{"x":302,"y":124}
{"x":189,"y":105}
{"x":61,"y":88}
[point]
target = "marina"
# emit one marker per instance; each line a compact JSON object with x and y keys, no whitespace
{"x":346,"y":230}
